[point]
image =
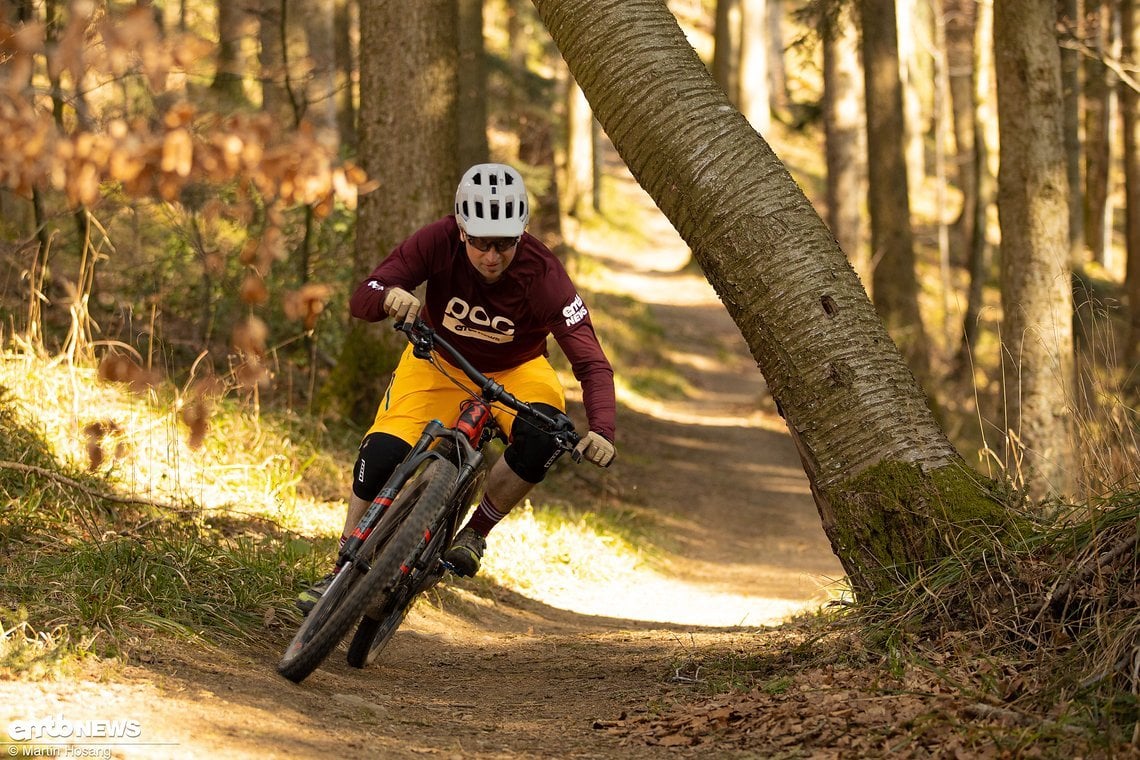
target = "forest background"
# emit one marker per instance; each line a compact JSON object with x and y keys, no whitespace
{"x":192,"y":189}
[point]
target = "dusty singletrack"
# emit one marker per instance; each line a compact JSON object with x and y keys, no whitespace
{"x":495,"y":674}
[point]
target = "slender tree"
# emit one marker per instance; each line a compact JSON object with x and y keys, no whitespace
{"x":892,"y":492}
{"x":472,"y":101}
{"x":1129,"y":107}
{"x":1036,"y":290}
{"x":230,"y":74}
{"x":894,"y":282}
{"x":845,"y":129}
{"x":271,"y":59}
{"x":978,"y":246}
{"x":726,"y":47}
{"x":344,"y":25}
{"x":1071,"y":92}
{"x":961,"y":18}
{"x":318,"y":87}
{"x":752,"y":85}
{"x":1097,"y":99}
{"x":579,"y":191}
{"x":777,"y":69}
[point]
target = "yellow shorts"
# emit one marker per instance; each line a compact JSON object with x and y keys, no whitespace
{"x":420,"y":393}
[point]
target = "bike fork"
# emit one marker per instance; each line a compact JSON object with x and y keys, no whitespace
{"x":385,"y":498}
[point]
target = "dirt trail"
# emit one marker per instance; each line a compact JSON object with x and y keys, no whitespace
{"x":498,"y":675}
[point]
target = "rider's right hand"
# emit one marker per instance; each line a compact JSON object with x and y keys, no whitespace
{"x":400,"y":304}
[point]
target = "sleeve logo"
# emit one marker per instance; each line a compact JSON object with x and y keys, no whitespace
{"x":575,"y":312}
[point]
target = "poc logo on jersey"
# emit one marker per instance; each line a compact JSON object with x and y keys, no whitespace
{"x":474,"y":321}
{"x":575,"y":312}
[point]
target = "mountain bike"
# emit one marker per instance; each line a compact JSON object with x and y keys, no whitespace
{"x":395,"y":553}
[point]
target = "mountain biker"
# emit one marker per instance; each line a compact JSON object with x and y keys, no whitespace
{"x":496,"y":292}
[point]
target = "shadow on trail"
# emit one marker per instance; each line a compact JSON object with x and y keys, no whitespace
{"x":468,"y":675}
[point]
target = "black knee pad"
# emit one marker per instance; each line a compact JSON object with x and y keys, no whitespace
{"x":379,"y":455}
{"x":531,"y":451}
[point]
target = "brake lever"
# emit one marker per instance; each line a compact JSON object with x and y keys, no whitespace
{"x":419,"y":335}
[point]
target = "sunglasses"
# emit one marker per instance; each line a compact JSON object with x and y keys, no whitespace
{"x":502,"y":245}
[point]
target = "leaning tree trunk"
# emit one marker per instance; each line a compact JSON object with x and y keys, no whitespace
{"x":892,"y":492}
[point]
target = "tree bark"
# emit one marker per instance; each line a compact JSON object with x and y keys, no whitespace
{"x":1036,"y":289}
{"x":408,"y":117}
{"x":408,"y":142}
{"x":892,"y":492}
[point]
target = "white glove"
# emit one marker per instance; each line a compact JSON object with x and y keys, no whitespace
{"x":400,"y":304}
{"x":595,"y":449}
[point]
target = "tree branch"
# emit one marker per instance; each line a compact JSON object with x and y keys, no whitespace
{"x":5,"y":465}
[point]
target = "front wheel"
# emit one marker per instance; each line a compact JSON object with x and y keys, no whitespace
{"x":360,"y":587}
{"x":419,"y":570}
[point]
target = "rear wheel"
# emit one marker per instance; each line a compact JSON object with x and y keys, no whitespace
{"x":359,"y":587}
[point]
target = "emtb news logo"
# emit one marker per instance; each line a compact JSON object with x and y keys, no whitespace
{"x":59,"y":727}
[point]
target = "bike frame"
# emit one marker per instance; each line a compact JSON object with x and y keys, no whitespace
{"x":459,"y":446}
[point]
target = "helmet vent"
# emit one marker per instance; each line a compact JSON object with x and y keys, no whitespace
{"x":495,"y":212}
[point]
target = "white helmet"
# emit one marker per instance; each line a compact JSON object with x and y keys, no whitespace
{"x":491,"y":201}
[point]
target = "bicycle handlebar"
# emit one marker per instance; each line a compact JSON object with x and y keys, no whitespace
{"x":425,"y":340}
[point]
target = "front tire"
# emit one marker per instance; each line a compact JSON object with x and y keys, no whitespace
{"x":430,"y":512}
{"x":413,"y":511}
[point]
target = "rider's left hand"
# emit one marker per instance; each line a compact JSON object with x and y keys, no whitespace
{"x":596,"y":449}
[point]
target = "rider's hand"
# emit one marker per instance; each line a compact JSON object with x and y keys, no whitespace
{"x":595,"y":449}
{"x":400,"y":304}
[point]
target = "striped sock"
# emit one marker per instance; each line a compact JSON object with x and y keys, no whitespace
{"x":486,"y":517}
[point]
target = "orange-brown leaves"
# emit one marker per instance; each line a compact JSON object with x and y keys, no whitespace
{"x":250,"y":338}
{"x":149,"y":157}
{"x":253,"y":290}
{"x":306,"y":304}
{"x":195,"y":414}
{"x":117,"y":368}
{"x":100,"y":433}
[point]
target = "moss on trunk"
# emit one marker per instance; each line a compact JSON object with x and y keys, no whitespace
{"x":894,"y":519}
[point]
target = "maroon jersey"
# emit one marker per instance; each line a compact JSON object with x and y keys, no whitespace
{"x":502,"y":324}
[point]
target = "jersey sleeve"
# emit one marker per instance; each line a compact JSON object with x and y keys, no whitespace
{"x":406,"y":267}
{"x":572,"y":328}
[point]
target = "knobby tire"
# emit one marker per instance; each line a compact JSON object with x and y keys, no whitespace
{"x":420,"y":501}
{"x":373,"y":633}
